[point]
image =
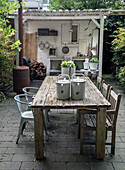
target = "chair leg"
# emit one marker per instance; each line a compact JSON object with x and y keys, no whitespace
{"x":47,"y":115}
{"x":77,"y":116}
{"x":45,"y":122}
{"x":78,"y":125}
{"x":113,"y":141}
{"x":20,"y":129}
{"x":106,"y":134}
{"x":81,"y":133}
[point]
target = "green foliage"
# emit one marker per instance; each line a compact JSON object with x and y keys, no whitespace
{"x":8,"y":46}
{"x":65,"y":64}
{"x":111,"y":24}
{"x":121,"y":76}
{"x":2,"y":96}
{"x":71,"y":63}
{"x":118,"y":46}
{"x":86,"y":4}
{"x":68,"y":64}
{"x":94,"y":60}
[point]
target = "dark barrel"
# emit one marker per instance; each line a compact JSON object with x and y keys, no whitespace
{"x":21,"y":78}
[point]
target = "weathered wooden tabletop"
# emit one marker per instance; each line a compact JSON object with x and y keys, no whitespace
{"x":46,"y":97}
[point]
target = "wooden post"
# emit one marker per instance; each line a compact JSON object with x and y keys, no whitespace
{"x":100,"y":133}
{"x":38,"y":133}
{"x":16,"y":38}
{"x":101,"y":45}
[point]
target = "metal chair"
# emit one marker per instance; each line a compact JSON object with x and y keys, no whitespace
{"x":32,"y":91}
{"x":25,"y":113}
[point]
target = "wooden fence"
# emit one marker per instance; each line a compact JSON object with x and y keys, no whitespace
{"x":30,"y":46}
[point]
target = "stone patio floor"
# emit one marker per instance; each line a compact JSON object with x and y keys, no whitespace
{"x":61,"y":143}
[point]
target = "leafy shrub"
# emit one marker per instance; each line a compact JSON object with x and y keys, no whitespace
{"x":118,"y":46}
{"x":121,"y":76}
{"x":68,"y":64}
{"x":94,"y":60}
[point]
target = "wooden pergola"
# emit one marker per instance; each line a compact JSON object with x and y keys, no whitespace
{"x":97,"y":16}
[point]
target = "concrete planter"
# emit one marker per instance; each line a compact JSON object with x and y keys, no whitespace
{"x":93,"y":66}
{"x":65,"y":70}
{"x":68,"y":70}
{"x":86,"y":65}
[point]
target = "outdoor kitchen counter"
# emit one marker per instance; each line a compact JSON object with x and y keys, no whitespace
{"x":46,"y":99}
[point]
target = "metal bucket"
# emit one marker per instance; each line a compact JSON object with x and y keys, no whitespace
{"x":78,"y":87}
{"x":63,"y":87}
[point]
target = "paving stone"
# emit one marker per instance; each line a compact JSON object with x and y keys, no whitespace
{"x":10,"y":165}
{"x":54,"y":166}
{"x":23,"y":157}
{"x":119,"y":166}
{"x":78,"y":165}
{"x":122,"y":156}
{"x":101,"y":166}
{"x":7,"y":157}
{"x":32,"y":165}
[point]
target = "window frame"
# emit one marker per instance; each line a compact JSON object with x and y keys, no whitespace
{"x":77,"y":34}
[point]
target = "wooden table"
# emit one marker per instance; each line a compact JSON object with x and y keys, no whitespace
{"x":46,"y":99}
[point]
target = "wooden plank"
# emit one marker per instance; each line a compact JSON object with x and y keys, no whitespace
{"x":100,"y":132}
{"x":38,"y":133}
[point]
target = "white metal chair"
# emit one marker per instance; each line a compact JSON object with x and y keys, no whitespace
{"x":25,"y":113}
{"x":32,"y":91}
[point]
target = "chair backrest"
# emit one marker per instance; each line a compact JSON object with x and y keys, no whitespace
{"x":99,"y":82}
{"x":105,"y":89}
{"x":21,"y":100}
{"x":30,"y":90}
{"x":114,"y":99}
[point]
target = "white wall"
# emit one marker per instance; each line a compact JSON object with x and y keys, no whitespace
{"x":43,"y":55}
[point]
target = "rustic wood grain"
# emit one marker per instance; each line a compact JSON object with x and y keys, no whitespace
{"x":100,"y":132}
{"x":46,"y":97}
{"x":38,"y":133}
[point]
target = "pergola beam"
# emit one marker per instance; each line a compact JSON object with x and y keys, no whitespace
{"x":101,"y":45}
{"x":96,"y":23}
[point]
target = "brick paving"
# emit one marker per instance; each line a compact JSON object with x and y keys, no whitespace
{"x":61,"y":143}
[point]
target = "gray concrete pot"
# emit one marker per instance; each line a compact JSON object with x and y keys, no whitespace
{"x":93,"y":66}
{"x":64,"y":70}
{"x":86,"y":65}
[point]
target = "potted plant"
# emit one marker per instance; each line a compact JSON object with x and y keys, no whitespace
{"x":94,"y":64}
{"x":68,"y":67}
{"x":72,"y":68}
{"x":86,"y":64}
{"x":65,"y":67}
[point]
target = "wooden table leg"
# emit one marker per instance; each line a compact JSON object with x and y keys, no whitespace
{"x":100,"y":133}
{"x":38,"y":133}
{"x":81,"y":132}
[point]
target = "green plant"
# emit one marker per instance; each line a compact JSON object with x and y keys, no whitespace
{"x":8,"y":46}
{"x":121,"y":76}
{"x":71,"y":63}
{"x":65,"y":64}
{"x":68,"y":64}
{"x":118,"y":46}
{"x":94,"y":60}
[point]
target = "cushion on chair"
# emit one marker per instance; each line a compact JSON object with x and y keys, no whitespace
{"x":28,"y":114}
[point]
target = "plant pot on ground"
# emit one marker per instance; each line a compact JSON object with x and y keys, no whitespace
{"x":94,"y":64}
